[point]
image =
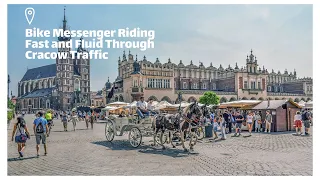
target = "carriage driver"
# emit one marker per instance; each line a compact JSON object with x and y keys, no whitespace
{"x":142,"y":108}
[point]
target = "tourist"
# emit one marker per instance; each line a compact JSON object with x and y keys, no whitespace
{"x":222,"y":122}
{"x":257,"y":122}
{"x":141,"y":108}
{"x":48,"y":117}
{"x":40,"y":128}
{"x":239,"y":120}
{"x":74,"y":120}
{"x":64,"y":120}
{"x":92,"y":116}
{"x":298,"y":122}
{"x":250,"y":122}
{"x":227,"y":119}
{"x":215,"y":127}
{"x":21,"y":133}
{"x":268,"y":121}
{"x":306,"y":118}
{"x":84,"y":115}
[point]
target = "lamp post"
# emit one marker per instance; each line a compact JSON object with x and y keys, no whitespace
{"x":9,"y":81}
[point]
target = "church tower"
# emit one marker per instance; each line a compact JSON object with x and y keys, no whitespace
{"x":65,"y":71}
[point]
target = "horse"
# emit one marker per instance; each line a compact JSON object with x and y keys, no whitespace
{"x":179,"y":124}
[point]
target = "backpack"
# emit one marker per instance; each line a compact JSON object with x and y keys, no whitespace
{"x":39,"y":128}
{"x":304,"y":116}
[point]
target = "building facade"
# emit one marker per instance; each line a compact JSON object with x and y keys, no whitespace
{"x":60,"y":86}
{"x":163,"y":81}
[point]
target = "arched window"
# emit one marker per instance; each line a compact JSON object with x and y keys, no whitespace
{"x":76,"y":84}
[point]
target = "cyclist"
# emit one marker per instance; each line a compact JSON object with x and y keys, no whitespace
{"x":48,"y":117}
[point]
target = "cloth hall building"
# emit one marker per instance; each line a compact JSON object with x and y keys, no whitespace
{"x":163,"y":81}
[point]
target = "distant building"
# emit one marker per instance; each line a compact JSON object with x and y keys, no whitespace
{"x":60,"y":86}
{"x":159,"y":81}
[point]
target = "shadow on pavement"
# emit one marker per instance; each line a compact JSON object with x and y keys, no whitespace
{"x":148,"y":149}
{"x":21,"y":159}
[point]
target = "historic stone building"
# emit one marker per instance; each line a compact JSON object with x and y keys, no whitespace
{"x":163,"y":81}
{"x":61,"y":86}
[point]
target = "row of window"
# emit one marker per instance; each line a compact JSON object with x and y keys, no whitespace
{"x":253,"y":85}
{"x":196,"y":86}
{"x":309,"y":88}
{"x":158,"y":83}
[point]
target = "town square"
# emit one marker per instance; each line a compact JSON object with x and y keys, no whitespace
{"x":198,"y":97}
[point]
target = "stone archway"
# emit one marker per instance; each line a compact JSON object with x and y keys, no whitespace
{"x":276,"y":98}
{"x":223,"y":100}
{"x":244,"y":98}
{"x":232,"y":99}
{"x":303,"y":99}
{"x":253,"y":98}
{"x":284,"y":98}
{"x":47,"y":104}
{"x":270,"y":98}
{"x":309,"y":99}
{"x":261,"y":98}
{"x":192,"y":99}
{"x":153,"y":98}
{"x":116,"y":98}
{"x":166,"y":98}
{"x":296,"y":100}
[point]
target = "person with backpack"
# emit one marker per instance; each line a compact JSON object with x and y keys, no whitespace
{"x":40,"y":128}
{"x":21,"y":134}
{"x":306,"y":118}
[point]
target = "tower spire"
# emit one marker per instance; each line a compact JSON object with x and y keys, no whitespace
{"x":64,"y":19}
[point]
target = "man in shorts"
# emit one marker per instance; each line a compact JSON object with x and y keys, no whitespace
{"x":306,"y":118}
{"x":239,"y":120}
{"x":40,"y":128}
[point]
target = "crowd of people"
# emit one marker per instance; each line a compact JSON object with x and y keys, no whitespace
{"x":42,"y":124}
{"x":231,"y":121}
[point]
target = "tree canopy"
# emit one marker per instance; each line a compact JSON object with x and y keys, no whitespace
{"x":209,"y":98}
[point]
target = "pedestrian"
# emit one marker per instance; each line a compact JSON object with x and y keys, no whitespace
{"x":21,"y":134}
{"x":268,"y":122}
{"x":239,"y":120}
{"x":298,"y":122}
{"x":74,"y":120}
{"x":257,"y":122}
{"x":222,"y":122}
{"x":306,"y":118}
{"x":92,"y":119}
{"x":215,"y":127}
{"x":64,"y":120}
{"x":249,"y":121}
{"x":226,"y":118}
{"x":40,"y":128}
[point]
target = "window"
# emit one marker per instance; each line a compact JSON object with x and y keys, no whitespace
{"x":166,"y":83}
{"x":204,"y":86}
{"x":195,"y":85}
{"x":275,"y":89}
{"x":245,"y":84}
{"x":253,"y":85}
{"x":214,"y":86}
{"x":184,"y":85}
{"x":135,"y":83}
{"x":269,"y":88}
{"x":226,"y":88}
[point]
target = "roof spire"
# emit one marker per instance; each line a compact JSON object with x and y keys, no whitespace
{"x":64,"y":19}
{"x":136,"y":57}
{"x":251,"y":51}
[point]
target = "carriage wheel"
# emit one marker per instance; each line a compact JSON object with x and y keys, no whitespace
{"x":135,"y":137}
{"x":200,"y":133}
{"x":109,"y":131}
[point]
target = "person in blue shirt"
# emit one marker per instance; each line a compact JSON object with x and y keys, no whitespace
{"x":40,"y":128}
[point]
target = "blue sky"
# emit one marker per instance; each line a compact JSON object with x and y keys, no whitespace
{"x":280,"y":35}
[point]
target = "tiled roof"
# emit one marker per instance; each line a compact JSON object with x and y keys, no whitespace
{"x":40,"y":72}
{"x":38,"y":93}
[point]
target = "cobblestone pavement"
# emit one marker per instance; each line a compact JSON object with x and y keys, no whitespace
{"x":86,"y":152}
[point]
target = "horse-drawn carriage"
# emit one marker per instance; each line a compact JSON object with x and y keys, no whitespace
{"x":165,"y":128}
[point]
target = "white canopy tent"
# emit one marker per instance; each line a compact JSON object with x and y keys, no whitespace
{"x":308,"y":105}
{"x":161,"y":105}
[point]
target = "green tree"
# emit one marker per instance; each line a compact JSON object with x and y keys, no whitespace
{"x":209,"y":98}
{"x":11,"y":105}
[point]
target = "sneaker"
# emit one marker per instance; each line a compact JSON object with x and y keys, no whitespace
{"x":255,"y":131}
{"x":38,"y":155}
{"x":45,"y":154}
{"x":269,"y":132}
{"x":21,"y":154}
